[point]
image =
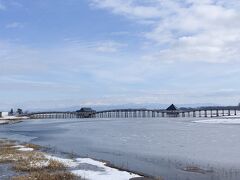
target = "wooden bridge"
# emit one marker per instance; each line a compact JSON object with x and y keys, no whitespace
{"x":140,"y":113}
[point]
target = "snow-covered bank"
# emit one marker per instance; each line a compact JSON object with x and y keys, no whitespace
{"x":13,"y":118}
{"x":220,"y":121}
{"x":103,"y":173}
{"x":4,"y":122}
{"x":93,"y":170}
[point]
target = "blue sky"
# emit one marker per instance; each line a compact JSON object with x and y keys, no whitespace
{"x":58,"y":53}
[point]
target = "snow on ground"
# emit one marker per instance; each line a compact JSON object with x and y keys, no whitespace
{"x":99,"y":170}
{"x":106,"y":173}
{"x":3,"y":121}
{"x":19,"y":146}
{"x":23,"y":148}
{"x":220,"y":121}
{"x":13,"y":118}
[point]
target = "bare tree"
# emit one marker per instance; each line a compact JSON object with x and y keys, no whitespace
{"x":19,"y":111}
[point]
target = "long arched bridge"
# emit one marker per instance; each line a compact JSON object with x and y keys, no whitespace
{"x":172,"y":111}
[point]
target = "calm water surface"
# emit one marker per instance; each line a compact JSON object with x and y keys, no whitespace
{"x":157,"y":147}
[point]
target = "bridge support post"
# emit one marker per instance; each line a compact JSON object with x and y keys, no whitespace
{"x":183,"y":114}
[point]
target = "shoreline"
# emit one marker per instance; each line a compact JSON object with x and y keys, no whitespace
{"x":5,"y":122}
{"x":12,"y":118}
{"x":14,"y":153}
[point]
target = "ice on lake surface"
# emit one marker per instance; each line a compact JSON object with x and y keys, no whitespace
{"x":174,"y":148}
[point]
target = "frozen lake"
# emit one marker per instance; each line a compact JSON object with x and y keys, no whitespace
{"x":160,"y":147}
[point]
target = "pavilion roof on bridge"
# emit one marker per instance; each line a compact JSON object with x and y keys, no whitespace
{"x":172,"y":108}
{"x":86,"y":109}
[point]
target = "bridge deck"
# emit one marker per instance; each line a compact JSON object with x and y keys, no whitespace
{"x":141,"y":113}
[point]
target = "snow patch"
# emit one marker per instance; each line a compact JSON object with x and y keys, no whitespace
{"x":219,"y":121}
{"x":107,"y":173}
{"x":25,"y":149}
{"x":91,"y":161}
{"x":14,"y":118}
{"x":3,"y":122}
{"x":19,"y":146}
{"x":22,"y":148}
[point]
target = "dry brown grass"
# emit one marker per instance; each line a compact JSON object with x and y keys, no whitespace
{"x":47,"y":176}
{"x":29,"y":161}
{"x":4,"y":141}
{"x":8,"y":153}
{"x":54,"y":165}
{"x":33,"y":163}
{"x":34,"y":146}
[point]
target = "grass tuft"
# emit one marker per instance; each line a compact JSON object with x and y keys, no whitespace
{"x":47,"y":176}
{"x":33,"y":146}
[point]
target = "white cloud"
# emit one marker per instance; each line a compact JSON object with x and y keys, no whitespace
{"x":109,"y":46}
{"x":104,"y":46}
{"x":15,"y":25}
{"x":128,"y":8}
{"x":188,"y":30}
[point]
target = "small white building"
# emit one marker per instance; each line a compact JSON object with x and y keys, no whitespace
{"x":3,"y":114}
